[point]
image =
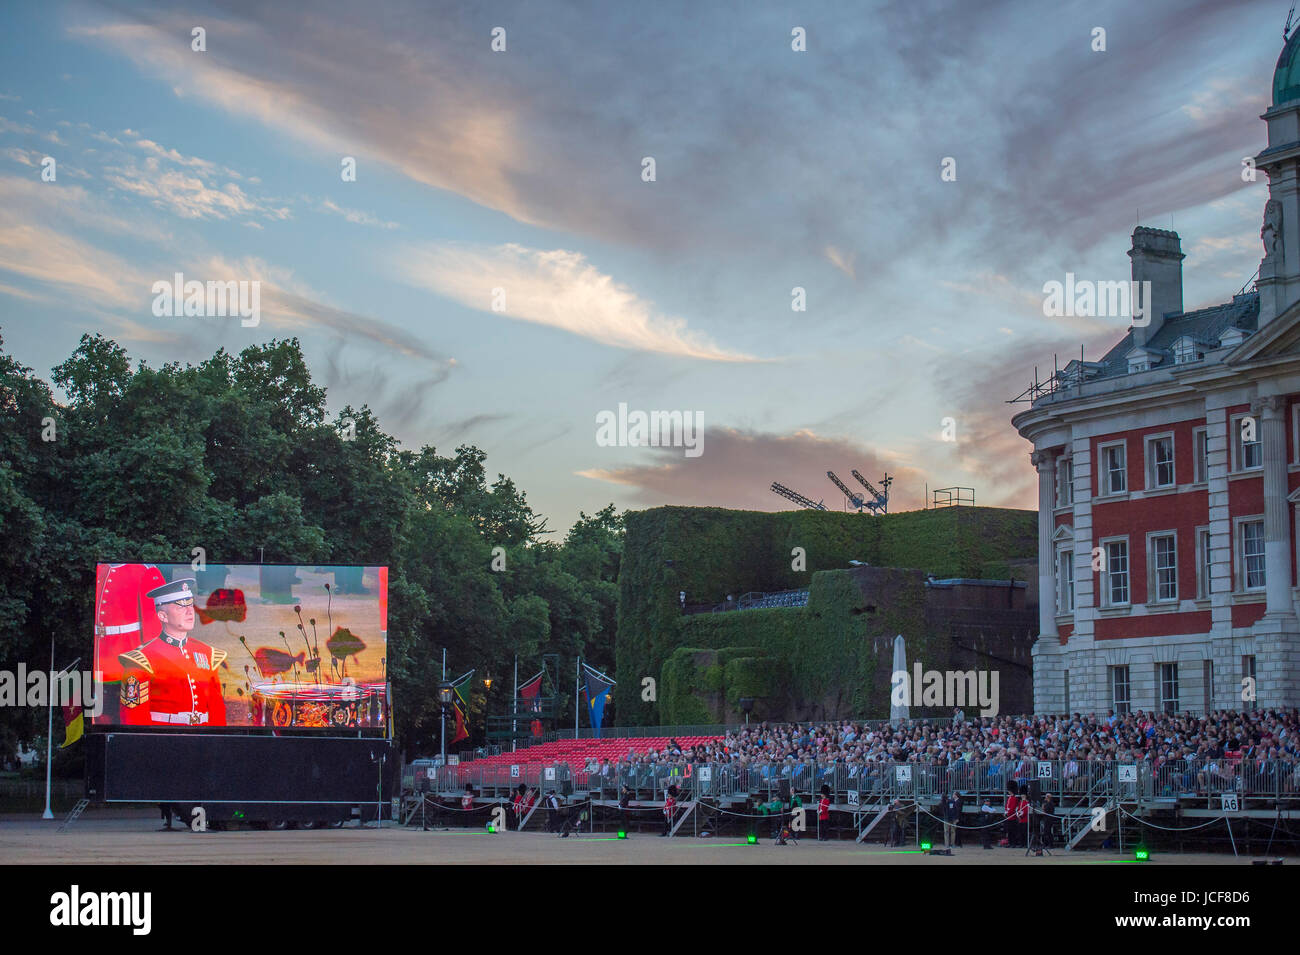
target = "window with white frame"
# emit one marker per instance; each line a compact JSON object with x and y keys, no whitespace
{"x":1162,"y":559}
{"x":1160,"y":461}
{"x":1114,"y":468}
{"x":1201,"y":457}
{"x":1250,"y":555}
{"x":1168,"y":687}
{"x":1065,"y":580}
{"x":1064,"y":482}
{"x":1119,"y":690}
{"x":1202,"y":563}
{"x":1114,"y":573}
{"x":1248,"y":449}
{"x":1184,"y":351}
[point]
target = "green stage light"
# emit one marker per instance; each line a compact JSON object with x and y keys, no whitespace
{"x":1141,"y":854}
{"x":622,"y":834}
{"x":491,"y":828}
{"x":925,"y":847}
{"x":752,"y":840}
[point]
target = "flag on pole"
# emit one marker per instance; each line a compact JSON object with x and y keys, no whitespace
{"x":460,"y":706}
{"x":597,"y":689}
{"x":74,"y":725}
{"x":530,"y":690}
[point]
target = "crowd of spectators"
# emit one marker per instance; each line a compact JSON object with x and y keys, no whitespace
{"x":1193,"y":749}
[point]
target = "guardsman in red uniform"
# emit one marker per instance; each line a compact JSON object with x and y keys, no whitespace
{"x":824,"y":815}
{"x":172,"y":680}
{"x":124,"y":617}
{"x":670,"y":807}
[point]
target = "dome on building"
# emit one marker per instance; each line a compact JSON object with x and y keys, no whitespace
{"x":1286,"y":78}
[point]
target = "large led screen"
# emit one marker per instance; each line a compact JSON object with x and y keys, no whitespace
{"x":237,"y":645}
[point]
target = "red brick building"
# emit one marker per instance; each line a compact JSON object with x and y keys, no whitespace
{"x":1169,"y":476}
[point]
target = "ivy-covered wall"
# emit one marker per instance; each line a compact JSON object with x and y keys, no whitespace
{"x":829,"y":648}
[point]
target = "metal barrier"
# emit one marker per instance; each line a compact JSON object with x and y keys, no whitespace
{"x":1073,"y":784}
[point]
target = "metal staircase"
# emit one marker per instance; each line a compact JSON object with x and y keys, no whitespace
{"x":73,"y":816}
{"x":688,"y":809}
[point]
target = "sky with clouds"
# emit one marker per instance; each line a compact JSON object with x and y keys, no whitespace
{"x":522,"y":171}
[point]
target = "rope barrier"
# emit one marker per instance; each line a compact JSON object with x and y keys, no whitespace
{"x":1152,"y":825}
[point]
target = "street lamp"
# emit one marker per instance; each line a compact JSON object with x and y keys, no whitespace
{"x":445,"y":691}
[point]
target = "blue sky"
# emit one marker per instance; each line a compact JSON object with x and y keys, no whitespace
{"x":522,"y":170}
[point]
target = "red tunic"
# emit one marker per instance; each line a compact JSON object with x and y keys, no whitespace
{"x":168,"y":685}
{"x":824,"y":808}
{"x":124,"y":617}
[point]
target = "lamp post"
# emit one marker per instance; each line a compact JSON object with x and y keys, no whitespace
{"x":487,"y":696}
{"x":444,"y":700}
{"x":747,"y":704}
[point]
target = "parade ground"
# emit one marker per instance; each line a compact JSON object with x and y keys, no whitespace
{"x":132,"y":839}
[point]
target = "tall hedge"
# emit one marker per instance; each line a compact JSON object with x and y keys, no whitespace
{"x":830,"y":645}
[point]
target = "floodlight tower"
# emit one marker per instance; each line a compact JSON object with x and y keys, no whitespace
{"x":855,"y":499}
{"x":798,"y":498}
{"x":881,"y":503}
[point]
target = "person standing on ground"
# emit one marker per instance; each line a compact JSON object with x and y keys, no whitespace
{"x":1022,"y":819}
{"x":624,"y":805}
{"x":1048,"y":822}
{"x":824,"y":814}
{"x":988,"y":822}
{"x":951,"y":818}
{"x":1013,"y":814}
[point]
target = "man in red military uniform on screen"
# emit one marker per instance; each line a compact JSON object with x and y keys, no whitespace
{"x":173,"y":679}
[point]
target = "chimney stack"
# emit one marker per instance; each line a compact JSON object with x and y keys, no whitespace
{"x":1157,"y":258}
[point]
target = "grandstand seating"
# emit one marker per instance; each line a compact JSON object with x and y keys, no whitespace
{"x":576,"y":752}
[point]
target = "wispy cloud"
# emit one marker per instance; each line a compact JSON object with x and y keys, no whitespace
{"x":188,"y":196}
{"x":560,"y":289}
{"x":355,"y":215}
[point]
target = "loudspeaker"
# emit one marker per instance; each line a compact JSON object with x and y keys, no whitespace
{"x":783,"y":789}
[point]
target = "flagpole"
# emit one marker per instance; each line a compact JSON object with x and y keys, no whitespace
{"x":443,"y":711}
{"x":514,"y":708}
{"x":577,"y":677}
{"x":49,"y":740}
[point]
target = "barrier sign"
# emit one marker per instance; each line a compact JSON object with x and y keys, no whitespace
{"x":903,"y":774}
{"x":514,"y":772}
{"x":549,"y":773}
{"x":853,"y":797}
{"x":1128,"y":774}
{"x":1044,"y":770}
{"x":706,"y":773}
{"x":1230,"y":802}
